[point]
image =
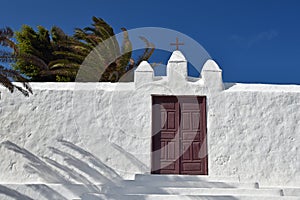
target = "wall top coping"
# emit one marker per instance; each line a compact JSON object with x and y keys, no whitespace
{"x":229,"y":87}
{"x":251,"y":87}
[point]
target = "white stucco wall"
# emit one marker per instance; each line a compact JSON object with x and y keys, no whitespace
{"x":254,"y":133}
{"x":65,"y":132}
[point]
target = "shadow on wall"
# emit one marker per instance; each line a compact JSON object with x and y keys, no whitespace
{"x":79,"y":172}
{"x":135,"y":161}
{"x":82,"y":175}
{"x":13,"y":193}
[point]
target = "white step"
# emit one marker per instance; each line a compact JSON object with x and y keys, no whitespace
{"x":287,"y":191}
{"x":291,"y":191}
{"x":191,"y":191}
{"x":187,"y":184}
{"x":180,"y":197}
{"x":142,"y":190}
{"x":154,"y":177}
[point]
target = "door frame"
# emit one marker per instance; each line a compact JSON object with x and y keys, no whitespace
{"x":204,"y":122}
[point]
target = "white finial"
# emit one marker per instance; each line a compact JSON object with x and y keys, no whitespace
{"x":177,"y":56}
{"x":177,"y":68}
{"x":143,"y":74}
{"x":212,"y":76}
{"x":144,"y":66}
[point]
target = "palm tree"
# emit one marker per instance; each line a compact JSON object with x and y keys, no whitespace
{"x":8,"y":75}
{"x":36,"y":54}
{"x":123,"y":62}
{"x":55,"y":56}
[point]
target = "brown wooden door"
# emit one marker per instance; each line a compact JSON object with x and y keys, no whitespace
{"x":179,"y":135}
{"x":165,"y":137}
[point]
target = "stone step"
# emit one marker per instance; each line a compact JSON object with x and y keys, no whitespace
{"x":286,"y":190}
{"x":291,"y":192}
{"x":191,"y":191}
{"x":188,"y":184}
{"x":132,"y":191}
{"x":43,"y":191}
{"x":152,"y":177}
{"x":90,"y":196}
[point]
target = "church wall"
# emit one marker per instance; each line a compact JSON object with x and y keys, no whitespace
{"x":100,"y":132}
{"x":252,"y":131}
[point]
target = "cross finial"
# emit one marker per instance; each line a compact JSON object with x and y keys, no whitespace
{"x":177,"y":44}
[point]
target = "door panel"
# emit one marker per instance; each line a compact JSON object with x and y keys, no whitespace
{"x":192,"y":111}
{"x":165,"y":139}
{"x":179,"y":130}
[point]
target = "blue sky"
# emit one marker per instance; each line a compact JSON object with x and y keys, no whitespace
{"x":252,"y":41}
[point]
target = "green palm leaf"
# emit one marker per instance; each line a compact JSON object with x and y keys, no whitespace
{"x":8,"y":75}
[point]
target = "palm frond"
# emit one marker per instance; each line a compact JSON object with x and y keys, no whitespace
{"x":33,"y":59}
{"x":7,"y":57}
{"x":8,"y":75}
{"x":6,"y":83}
{"x":5,"y":38}
{"x":106,"y":33}
{"x":5,"y":74}
{"x":23,"y":91}
{"x":63,"y":63}
{"x":61,"y":72}
{"x":126,"y":51}
{"x":70,"y":55}
{"x":58,"y":34}
{"x":6,"y":32}
{"x":147,"y":52}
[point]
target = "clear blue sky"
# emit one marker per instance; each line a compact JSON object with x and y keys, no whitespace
{"x":252,"y":41}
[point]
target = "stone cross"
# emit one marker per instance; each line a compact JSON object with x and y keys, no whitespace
{"x":177,"y":44}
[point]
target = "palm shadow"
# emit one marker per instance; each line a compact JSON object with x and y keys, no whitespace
{"x":54,"y":172}
{"x":46,"y":191}
{"x":93,"y":159}
{"x":109,"y":185}
{"x":13,"y":193}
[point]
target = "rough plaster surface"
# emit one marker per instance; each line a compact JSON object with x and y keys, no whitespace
{"x":254,"y":134}
{"x":101,"y":132}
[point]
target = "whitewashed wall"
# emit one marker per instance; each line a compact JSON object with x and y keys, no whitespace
{"x":98,"y":132}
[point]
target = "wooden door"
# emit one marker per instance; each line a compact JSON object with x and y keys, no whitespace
{"x":179,"y":135}
{"x":165,"y":137}
{"x":193,"y":158}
